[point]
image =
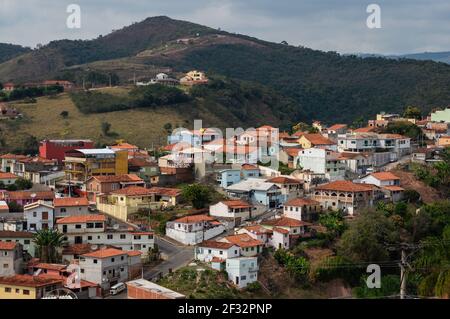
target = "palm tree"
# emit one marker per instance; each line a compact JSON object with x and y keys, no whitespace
{"x":47,"y":242}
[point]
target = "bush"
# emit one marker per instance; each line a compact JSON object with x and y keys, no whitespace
{"x":254,"y":287}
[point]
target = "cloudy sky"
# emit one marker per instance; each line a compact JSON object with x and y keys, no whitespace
{"x":407,"y":26}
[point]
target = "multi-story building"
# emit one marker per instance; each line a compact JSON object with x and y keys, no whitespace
{"x":301,"y":209}
{"x":105,"y":184}
{"x":24,"y":238}
{"x":27,"y":286}
{"x":194,"y":229}
{"x":81,"y":164}
{"x":70,"y":206}
{"x":322,"y":161}
{"x":372,"y":142}
{"x":237,"y":210}
{"x":242,"y":270}
{"x":11,"y":258}
{"x":39,"y":215}
{"x":92,"y":229}
{"x":55,"y":149}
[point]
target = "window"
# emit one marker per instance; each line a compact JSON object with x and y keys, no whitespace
{"x":90,"y":225}
{"x":221,"y":252}
{"x":121,"y":258}
{"x":123,"y":236}
{"x":98,"y":225}
{"x":243,"y":277}
{"x":26,"y":242}
{"x":77,"y":226}
{"x":137,"y":237}
{"x":63,"y":210}
{"x":26,"y":292}
{"x":34,"y":214}
{"x":95,"y":261}
{"x":109,"y":236}
{"x":7,"y":289}
{"x":112,"y":260}
{"x":17,"y":290}
{"x":5,"y":265}
{"x":89,"y":237}
{"x":82,"y":270}
{"x":122,"y":269}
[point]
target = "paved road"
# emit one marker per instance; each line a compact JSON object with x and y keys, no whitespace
{"x":393,"y":165}
{"x":178,"y":256}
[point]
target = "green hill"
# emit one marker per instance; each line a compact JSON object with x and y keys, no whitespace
{"x":9,"y":51}
{"x":322,"y":85}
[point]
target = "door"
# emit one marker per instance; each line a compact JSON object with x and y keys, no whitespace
{"x":237,"y":280}
{"x":44,"y":215}
{"x":64,"y":229}
{"x":78,"y":240}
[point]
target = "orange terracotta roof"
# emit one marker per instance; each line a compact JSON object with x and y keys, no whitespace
{"x":258,"y":229}
{"x":193,"y":219}
{"x":217,"y":260}
{"x":385,"y":176}
{"x":247,"y":167}
{"x":345,"y":186}
{"x":28,"y":281}
{"x":106,"y":253}
{"x":5,"y":245}
{"x":133,"y":253}
{"x":216,"y":244}
{"x":176,"y":146}
{"x":81,"y":219}
{"x":298,"y":134}
{"x":124,"y":146}
{"x":77,"y":249}
{"x":118,"y":178}
{"x":7,"y":175}
{"x":24,"y":195}
{"x":336,"y":127}
{"x":364,"y":129}
{"x":165,"y":191}
{"x":284,"y":222}
{"x":284,"y":180}
{"x":301,"y":202}
{"x":292,"y":151}
{"x":318,"y":139}
{"x":394,"y":188}
{"x":15,"y":234}
{"x":243,"y":240}
{"x":237,"y":149}
{"x":57,"y":267}
{"x":141,"y":162}
{"x":70,"y":201}
{"x":12,"y":156}
{"x":280,"y":230}
{"x":133,"y":191}
{"x":236,"y":203}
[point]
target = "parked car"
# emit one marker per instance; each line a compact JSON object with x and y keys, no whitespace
{"x":117,"y":288}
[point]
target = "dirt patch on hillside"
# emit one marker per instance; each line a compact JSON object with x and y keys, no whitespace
{"x":409,"y":181}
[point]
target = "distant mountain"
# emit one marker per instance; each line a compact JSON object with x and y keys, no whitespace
{"x":323,"y":85}
{"x":431,"y":56}
{"x":9,"y":51}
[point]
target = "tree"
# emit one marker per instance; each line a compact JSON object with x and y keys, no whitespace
{"x":47,"y":242}
{"x":14,"y":207}
{"x":31,"y":145}
{"x":367,"y":238}
{"x":334,"y":222}
{"x":64,"y":114}
{"x":412,"y":112}
{"x":199,"y":195}
{"x":106,"y":127}
{"x":23,"y":184}
{"x":389,"y":287}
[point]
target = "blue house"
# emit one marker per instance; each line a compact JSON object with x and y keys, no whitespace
{"x":256,"y":190}
{"x":228,"y":177}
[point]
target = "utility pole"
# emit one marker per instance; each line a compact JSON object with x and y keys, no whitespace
{"x":403,"y":274}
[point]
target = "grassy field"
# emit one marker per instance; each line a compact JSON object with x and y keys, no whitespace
{"x":43,"y":120}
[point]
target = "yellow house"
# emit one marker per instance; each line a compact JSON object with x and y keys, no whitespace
{"x":443,"y":141}
{"x":27,"y":286}
{"x":81,"y":164}
{"x":314,"y":140}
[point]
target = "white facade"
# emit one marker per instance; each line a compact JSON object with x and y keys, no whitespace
{"x":192,"y":236}
{"x":242,"y":270}
{"x":206,"y":254}
{"x":370,"y":179}
{"x":322,"y":161}
{"x":222,"y":210}
{"x":38,"y":216}
{"x":64,"y":211}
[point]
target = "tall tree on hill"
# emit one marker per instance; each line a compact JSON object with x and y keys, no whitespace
{"x":47,"y":242}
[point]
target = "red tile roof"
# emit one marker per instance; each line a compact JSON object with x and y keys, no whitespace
{"x":243,"y":240}
{"x":27,"y":195}
{"x":28,"y":281}
{"x":57,"y":267}
{"x":385,"y":176}
{"x":5,"y":245}
{"x":7,"y":175}
{"x":217,"y":260}
{"x":394,"y":188}
{"x":284,"y":180}
{"x":193,"y":219}
{"x":258,"y":229}
{"x":12,"y":156}
{"x":165,"y":191}
{"x":133,"y":253}
{"x":124,"y":146}
{"x":249,"y":167}
{"x":236,"y":203}
{"x":336,"y":127}
{"x":216,"y":244}
{"x":318,"y":139}
{"x":280,"y":230}
{"x":118,"y":178}
{"x":301,"y":202}
{"x":106,"y":253}
{"x":81,"y":219}
{"x":15,"y":234}
{"x":292,"y":151}
{"x":364,"y":129}
{"x":345,"y":186}
{"x":77,"y":249}
{"x":133,"y":191}
{"x":284,"y":222}
{"x":70,"y":202}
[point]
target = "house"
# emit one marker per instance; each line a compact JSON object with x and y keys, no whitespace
{"x":285,"y":230}
{"x":23,"y":198}
{"x":8,"y":87}
{"x":93,"y":230}
{"x":322,"y":161}
{"x":4,"y":209}
{"x":81,"y":164}
{"x":9,"y":161}
{"x":316,"y":140}
{"x":8,"y":178}
{"x":289,"y":156}
{"x":70,"y":206}
{"x":105,"y":184}
{"x":228,"y":177}
{"x":67,"y":85}
{"x":256,"y":231}
{"x":27,"y":286}
{"x":105,"y":267}
{"x":381,"y":179}
{"x":249,"y":246}
{"x":393,"y":193}
{"x":237,"y":210}
{"x":242,"y":270}
{"x":249,"y":171}
{"x":443,"y":140}
{"x":11,"y":258}
{"x":39,"y":215}
{"x":345,"y":195}
{"x":191,"y":230}
{"x":357,"y":163}
{"x":290,"y":187}
{"x":165,"y":195}
{"x":194,"y":78}
{"x":144,"y":289}
{"x":24,"y":238}
{"x":365,"y":142}
{"x":336,"y":129}
{"x":301,"y":209}
{"x":216,"y":252}
{"x":37,"y":169}
{"x":145,"y":169}
{"x":255,"y":190}
{"x":55,"y":149}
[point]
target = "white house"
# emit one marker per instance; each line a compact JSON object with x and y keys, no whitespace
{"x":22,"y":237}
{"x":381,"y":179}
{"x":238,"y":210}
{"x":242,"y":270}
{"x":256,"y":232}
{"x":301,"y":208}
{"x":322,"y":161}
{"x":70,"y":206}
{"x":105,"y":267}
{"x":8,"y":178}
{"x":92,"y":229}
{"x":39,"y":215}
{"x":194,"y":229}
{"x":249,"y":247}
{"x":219,"y":251}
{"x":285,"y":231}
